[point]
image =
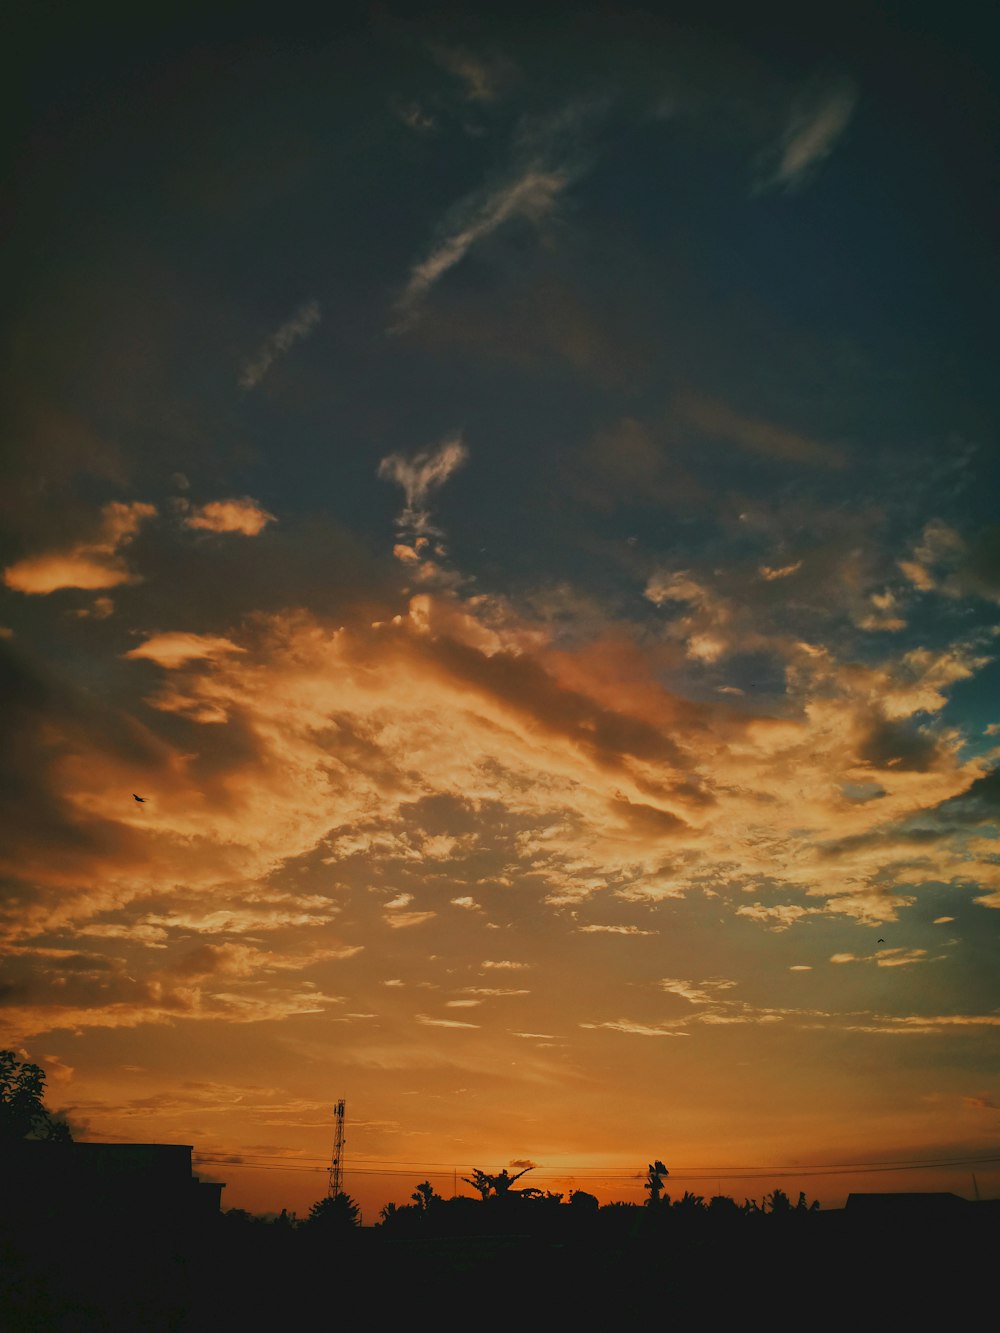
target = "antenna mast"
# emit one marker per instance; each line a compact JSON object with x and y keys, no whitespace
{"x":337,"y":1160}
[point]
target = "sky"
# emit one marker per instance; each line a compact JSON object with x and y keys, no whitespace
{"x":517,"y":501}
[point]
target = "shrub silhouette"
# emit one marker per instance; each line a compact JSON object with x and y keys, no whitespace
{"x":337,"y":1214}
{"x":22,"y":1111}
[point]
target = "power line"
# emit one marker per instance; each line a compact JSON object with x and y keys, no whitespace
{"x":370,"y":1163}
{"x":613,"y":1174}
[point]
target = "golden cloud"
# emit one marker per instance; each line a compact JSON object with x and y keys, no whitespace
{"x":242,"y":515}
{"x":175,"y":650}
{"x":608,"y":780}
{"x":88,"y":565}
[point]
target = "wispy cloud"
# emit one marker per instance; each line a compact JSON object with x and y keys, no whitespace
{"x":934,"y":558}
{"x":443,"y":1022}
{"x":770,"y":572}
{"x":419,"y":476}
{"x":245,"y":917}
{"x":545,"y":162}
{"x":637,"y":1029}
{"x":700,"y":992}
{"x":981,"y":1103}
{"x":281,"y":341}
{"x":884,"y":957}
{"x":403,"y":920}
{"x":615,"y":930}
{"x":495,"y":990}
{"x":924,"y":1025}
{"x":413,"y":115}
{"x":817,"y":121}
{"x":92,"y":990}
{"x":242,"y":515}
{"x":532,"y":194}
{"x":779,"y":917}
{"x":900,"y":957}
{"x":713,"y":418}
{"x":482,"y":78}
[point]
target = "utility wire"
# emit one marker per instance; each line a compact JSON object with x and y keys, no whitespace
{"x":615,"y":1174}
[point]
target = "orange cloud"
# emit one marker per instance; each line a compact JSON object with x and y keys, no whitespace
{"x":647,"y":795}
{"x":244,"y":515}
{"x":176,"y":650}
{"x":770,"y":572}
{"x":88,"y":565}
{"x":443,"y":1022}
{"x":48,"y":573}
{"x":574,"y":772}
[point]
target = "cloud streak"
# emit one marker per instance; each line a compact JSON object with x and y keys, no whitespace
{"x":815,"y":126}
{"x":482,"y":79}
{"x":294,"y":330}
{"x":532,"y":195}
{"x":763,"y":438}
{"x":543,"y":167}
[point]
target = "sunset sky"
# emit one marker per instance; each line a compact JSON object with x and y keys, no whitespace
{"x":518,"y":502}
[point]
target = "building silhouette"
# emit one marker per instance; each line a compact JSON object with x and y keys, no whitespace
{"x":107,"y":1183}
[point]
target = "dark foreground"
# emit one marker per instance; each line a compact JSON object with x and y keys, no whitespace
{"x":122,"y":1277}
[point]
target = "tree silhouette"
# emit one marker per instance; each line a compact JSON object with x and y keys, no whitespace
{"x":425,"y":1197}
{"x":480,"y":1181}
{"x":495,"y":1187}
{"x":334,"y":1215}
{"x":721,"y":1205}
{"x":584,"y":1202}
{"x":22,"y":1110}
{"x":653,"y":1184}
{"x":777,"y":1202}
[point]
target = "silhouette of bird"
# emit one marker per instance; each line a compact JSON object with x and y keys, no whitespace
{"x":140,"y":799}
{"x":880,"y":941}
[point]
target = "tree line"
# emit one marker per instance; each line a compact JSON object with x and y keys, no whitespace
{"x":502,"y":1207}
{"x":23,"y":1115}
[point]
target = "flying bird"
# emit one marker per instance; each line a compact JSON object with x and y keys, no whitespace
{"x":140,"y":799}
{"x":880,"y":941}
